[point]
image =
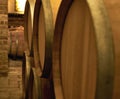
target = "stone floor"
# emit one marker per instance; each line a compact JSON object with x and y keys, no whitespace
{"x":15,"y":79}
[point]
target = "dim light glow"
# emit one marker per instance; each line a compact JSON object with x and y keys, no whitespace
{"x":20,"y":5}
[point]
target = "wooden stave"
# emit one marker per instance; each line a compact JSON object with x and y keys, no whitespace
{"x":10,"y":43}
{"x":28,"y":24}
{"x":26,"y":68}
{"x":33,"y":82}
{"x":16,"y":42}
{"x":103,"y":91}
{"x":56,"y":50}
{"x":38,"y":88}
{"x":55,"y":7}
{"x":47,"y":88}
{"x":27,"y":7}
{"x":23,"y":76}
{"x":113,"y":8}
{"x":46,"y":69}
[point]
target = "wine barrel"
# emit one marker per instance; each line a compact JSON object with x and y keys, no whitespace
{"x":55,"y":4}
{"x":83,"y":56}
{"x":113,"y":8}
{"x":33,"y":89}
{"x":39,"y":88}
{"x":43,"y":37}
{"x":28,"y":24}
{"x":23,"y":76}
{"x":16,"y":42}
{"x":26,"y":68}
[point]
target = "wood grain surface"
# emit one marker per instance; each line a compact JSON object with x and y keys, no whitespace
{"x":113,"y":8}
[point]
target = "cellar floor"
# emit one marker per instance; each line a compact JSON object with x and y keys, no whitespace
{"x":15,"y":79}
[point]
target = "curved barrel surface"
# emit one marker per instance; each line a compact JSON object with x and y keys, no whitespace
{"x":83,"y":56}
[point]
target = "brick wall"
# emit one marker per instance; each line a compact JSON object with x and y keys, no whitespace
{"x":4,"y":94}
{"x":3,"y":36}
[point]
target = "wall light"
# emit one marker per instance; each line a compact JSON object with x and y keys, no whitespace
{"x":20,"y":5}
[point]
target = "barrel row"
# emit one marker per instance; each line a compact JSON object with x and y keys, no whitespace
{"x":16,"y":42}
{"x":34,"y":87}
{"x":73,"y":46}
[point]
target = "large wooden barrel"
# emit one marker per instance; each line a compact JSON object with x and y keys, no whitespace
{"x":26,"y":68}
{"x":113,"y":8}
{"x":83,"y":56}
{"x":16,"y":42}
{"x":28,"y":24}
{"x":55,"y":4}
{"x":33,"y":89}
{"x":43,"y":35}
{"x":39,"y":88}
{"x":23,"y":75}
